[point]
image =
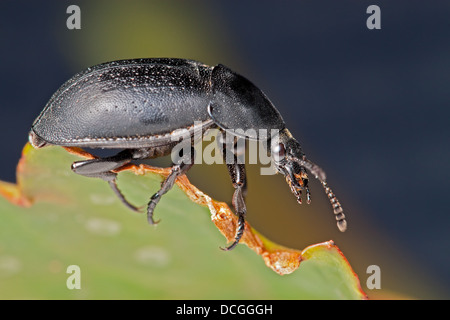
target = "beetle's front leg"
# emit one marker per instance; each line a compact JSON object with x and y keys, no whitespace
{"x":239,"y":180}
{"x":181,"y":167}
{"x":237,"y":174}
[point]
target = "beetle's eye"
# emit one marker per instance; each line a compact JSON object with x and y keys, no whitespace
{"x":278,"y":151}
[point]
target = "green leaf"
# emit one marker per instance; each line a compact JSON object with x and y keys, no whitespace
{"x":53,"y":218}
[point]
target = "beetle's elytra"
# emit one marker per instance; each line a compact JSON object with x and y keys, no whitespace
{"x":139,"y":106}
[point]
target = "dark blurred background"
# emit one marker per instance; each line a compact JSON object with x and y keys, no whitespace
{"x":371,"y":107}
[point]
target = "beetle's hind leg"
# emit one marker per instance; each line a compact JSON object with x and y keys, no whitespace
{"x":179,"y":168}
{"x":102,"y":168}
{"x":119,"y":194}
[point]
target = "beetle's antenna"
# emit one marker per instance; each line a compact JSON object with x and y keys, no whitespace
{"x":337,"y":208}
{"x":312,"y":167}
{"x":320,"y":175}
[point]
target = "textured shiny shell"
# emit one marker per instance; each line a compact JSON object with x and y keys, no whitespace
{"x":146,"y":102}
{"x":128,"y":102}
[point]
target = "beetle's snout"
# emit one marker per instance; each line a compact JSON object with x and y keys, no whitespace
{"x":36,"y":141}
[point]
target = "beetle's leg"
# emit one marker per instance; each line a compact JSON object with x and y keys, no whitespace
{"x":119,"y":194}
{"x":231,"y":155}
{"x":237,"y":174}
{"x":181,"y":167}
{"x":102,"y":168}
{"x":239,"y":150}
{"x":238,"y":178}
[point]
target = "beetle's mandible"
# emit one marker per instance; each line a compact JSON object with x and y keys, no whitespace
{"x":139,"y":105}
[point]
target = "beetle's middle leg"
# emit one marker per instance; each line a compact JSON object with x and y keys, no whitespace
{"x":103,"y":168}
{"x":180,"y":167}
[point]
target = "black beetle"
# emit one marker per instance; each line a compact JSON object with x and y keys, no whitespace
{"x":139,"y":105}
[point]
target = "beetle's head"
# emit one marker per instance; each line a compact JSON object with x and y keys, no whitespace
{"x":286,"y":152}
{"x":289,"y":159}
